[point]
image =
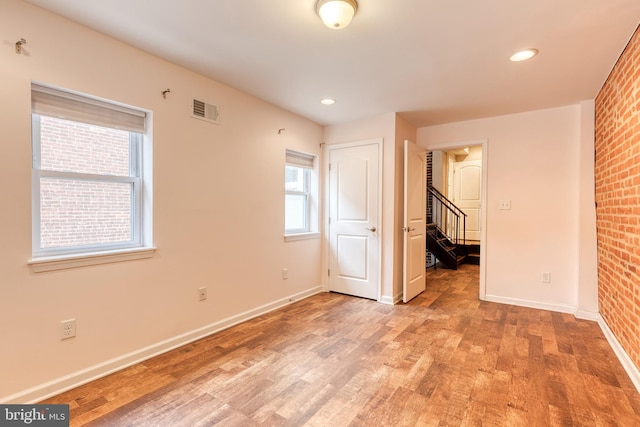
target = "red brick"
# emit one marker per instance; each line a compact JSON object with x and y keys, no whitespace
{"x":617,"y":180}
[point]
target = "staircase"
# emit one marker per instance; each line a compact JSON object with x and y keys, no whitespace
{"x":447,"y":252}
{"x":446,"y":225}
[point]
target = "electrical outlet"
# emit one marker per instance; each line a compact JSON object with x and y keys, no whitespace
{"x":546,"y":277}
{"x":67,"y":329}
{"x":505,"y":205}
{"x":285,"y":274}
{"x":202,"y":293}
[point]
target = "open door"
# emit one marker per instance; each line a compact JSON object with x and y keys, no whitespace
{"x":415,"y":221}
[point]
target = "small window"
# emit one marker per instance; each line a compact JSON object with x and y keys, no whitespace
{"x":298,"y":192}
{"x":87,"y":174}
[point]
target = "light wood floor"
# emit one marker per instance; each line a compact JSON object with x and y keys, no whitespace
{"x":445,"y":359}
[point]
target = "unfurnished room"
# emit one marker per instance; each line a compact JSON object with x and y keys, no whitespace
{"x":320,"y":213}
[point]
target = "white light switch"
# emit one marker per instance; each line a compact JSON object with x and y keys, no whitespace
{"x":505,"y":205}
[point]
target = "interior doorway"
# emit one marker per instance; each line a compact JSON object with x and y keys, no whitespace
{"x":458,"y":174}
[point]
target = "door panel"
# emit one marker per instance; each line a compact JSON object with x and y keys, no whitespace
{"x":354,"y":242}
{"x":415,"y":205}
{"x":467,"y":194}
{"x":349,"y":266}
{"x":352,"y":180}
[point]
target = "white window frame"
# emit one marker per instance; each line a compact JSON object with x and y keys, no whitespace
{"x":102,"y":113}
{"x":308,"y":164}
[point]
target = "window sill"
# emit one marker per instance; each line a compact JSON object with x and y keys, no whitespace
{"x":62,"y":262}
{"x":301,"y":236}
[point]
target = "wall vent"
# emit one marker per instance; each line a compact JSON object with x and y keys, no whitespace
{"x":203,"y":111}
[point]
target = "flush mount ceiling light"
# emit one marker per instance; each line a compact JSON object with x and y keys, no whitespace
{"x":523,"y":55}
{"x":336,"y":14}
{"x":327,"y":101}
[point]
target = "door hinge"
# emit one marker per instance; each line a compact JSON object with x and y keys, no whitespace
{"x":329,"y":166}
{"x":329,"y":272}
{"x":329,"y":220}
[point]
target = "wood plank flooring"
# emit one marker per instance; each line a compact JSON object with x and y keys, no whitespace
{"x":444,"y":359}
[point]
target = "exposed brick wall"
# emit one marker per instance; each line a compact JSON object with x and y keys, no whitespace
{"x":83,"y":212}
{"x":617,"y":176}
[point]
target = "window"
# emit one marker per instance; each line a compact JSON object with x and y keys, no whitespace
{"x":87,"y":175}
{"x":298,"y":192}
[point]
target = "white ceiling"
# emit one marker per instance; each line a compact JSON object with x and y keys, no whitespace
{"x":433,"y":61}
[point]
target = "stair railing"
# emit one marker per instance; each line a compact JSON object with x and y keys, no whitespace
{"x":447,"y":216}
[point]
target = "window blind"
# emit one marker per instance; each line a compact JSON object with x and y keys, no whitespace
{"x":52,"y":102}
{"x":302,"y":160}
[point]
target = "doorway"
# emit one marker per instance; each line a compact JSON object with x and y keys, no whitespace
{"x":459,"y":171}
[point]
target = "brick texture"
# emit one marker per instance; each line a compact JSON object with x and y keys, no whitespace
{"x":617,"y":176}
{"x":83,"y":212}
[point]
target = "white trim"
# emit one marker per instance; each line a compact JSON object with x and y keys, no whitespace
{"x":531,"y":304}
{"x":301,"y":236}
{"x":62,"y":262}
{"x":83,"y":376}
{"x":623,"y":357}
{"x":587,"y":315}
{"x":387,"y":300}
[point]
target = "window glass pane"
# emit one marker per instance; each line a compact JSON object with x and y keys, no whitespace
{"x":68,"y":146}
{"x":78,"y":212}
{"x":295,"y":212}
{"x":296,"y":178}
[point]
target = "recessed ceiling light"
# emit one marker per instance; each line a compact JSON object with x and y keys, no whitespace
{"x":327,"y":101}
{"x":523,"y":55}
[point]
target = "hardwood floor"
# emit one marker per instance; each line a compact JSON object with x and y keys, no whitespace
{"x":444,"y":359}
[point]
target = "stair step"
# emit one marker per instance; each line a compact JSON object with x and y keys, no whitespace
{"x":473,"y":259}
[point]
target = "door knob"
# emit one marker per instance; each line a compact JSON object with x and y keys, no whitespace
{"x":372,"y":229}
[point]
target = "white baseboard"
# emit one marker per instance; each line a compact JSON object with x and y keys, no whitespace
{"x":78,"y":378}
{"x":587,"y":315}
{"x":531,"y":304}
{"x":623,"y":357}
{"x":387,"y":300}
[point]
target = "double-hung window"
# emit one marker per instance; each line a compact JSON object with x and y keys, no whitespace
{"x":87,"y":174}
{"x":298,"y":192}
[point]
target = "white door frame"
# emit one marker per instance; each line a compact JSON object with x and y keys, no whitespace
{"x":484,"y":143}
{"x":325,"y":221}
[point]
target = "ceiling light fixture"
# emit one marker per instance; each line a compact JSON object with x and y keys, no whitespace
{"x":327,"y":101}
{"x":523,"y":55}
{"x":336,"y":14}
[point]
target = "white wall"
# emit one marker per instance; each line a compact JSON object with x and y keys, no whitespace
{"x":536,"y":160}
{"x":218,"y":212}
{"x":588,"y":241}
{"x":372,"y":128}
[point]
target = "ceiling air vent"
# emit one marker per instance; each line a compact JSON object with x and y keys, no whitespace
{"x":202,"y":110}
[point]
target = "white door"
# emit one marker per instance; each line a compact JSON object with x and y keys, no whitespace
{"x":354,"y":227}
{"x":415,"y":221}
{"x":467,"y":194}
